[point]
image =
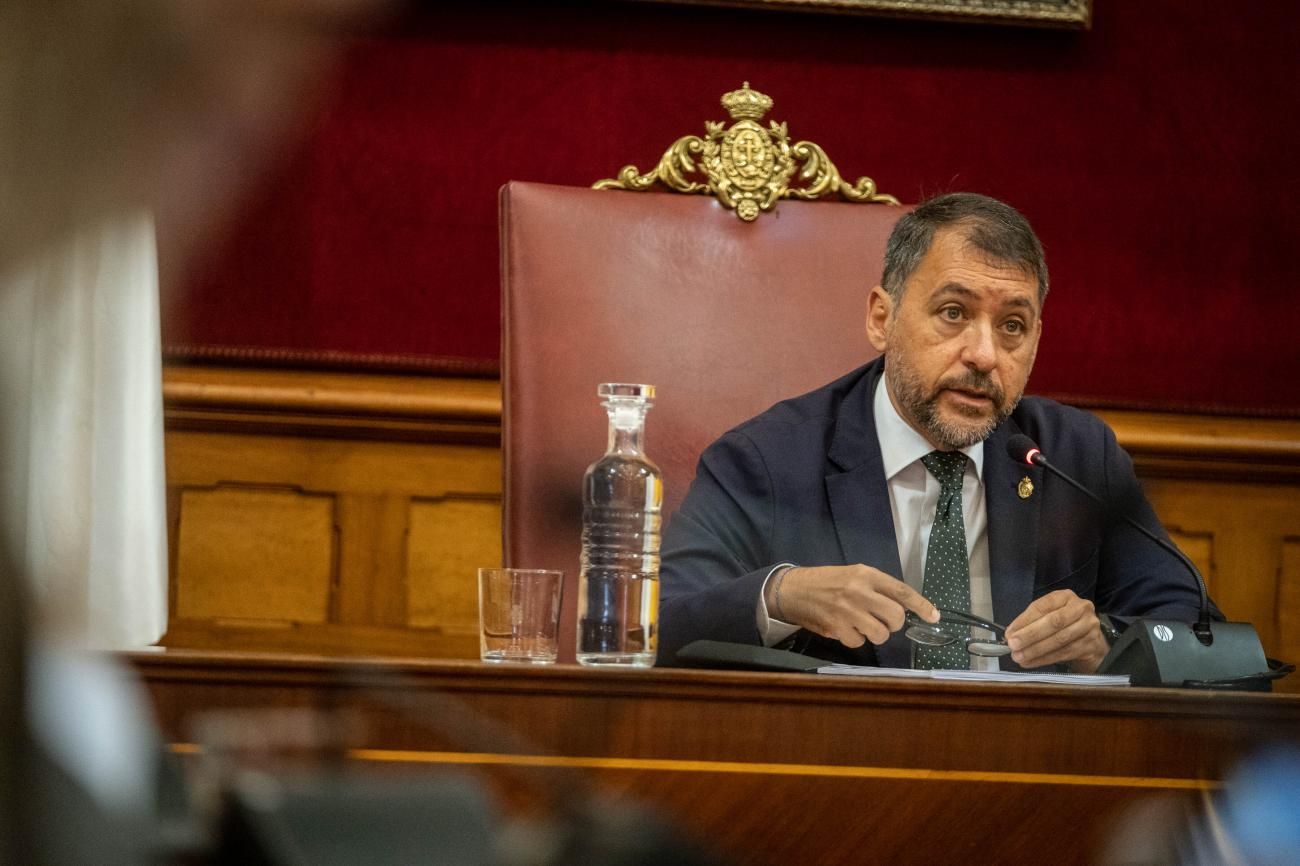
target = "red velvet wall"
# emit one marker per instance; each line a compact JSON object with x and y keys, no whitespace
{"x":1155,"y":154}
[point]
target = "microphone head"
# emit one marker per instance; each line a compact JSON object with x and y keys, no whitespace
{"x":1022,"y":448}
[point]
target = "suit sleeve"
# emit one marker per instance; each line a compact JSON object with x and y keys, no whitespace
{"x":1136,"y":577}
{"x":717,"y":549}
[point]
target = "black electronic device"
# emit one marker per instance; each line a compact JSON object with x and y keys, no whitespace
{"x":738,"y":656}
{"x":1158,"y":652}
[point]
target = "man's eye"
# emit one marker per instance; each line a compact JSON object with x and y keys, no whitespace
{"x":952,"y":314}
{"x":1015,"y":326}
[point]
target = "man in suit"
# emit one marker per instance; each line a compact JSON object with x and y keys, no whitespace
{"x":826,"y":521}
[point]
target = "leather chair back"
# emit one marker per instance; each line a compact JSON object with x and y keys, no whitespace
{"x":724,"y":317}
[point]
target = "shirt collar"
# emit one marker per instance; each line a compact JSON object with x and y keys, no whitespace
{"x":900,"y":445}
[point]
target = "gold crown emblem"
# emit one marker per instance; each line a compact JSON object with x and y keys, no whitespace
{"x":746,"y":104}
{"x":746,"y":167}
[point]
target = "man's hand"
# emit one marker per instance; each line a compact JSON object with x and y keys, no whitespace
{"x":1059,"y":627}
{"x":850,"y":603}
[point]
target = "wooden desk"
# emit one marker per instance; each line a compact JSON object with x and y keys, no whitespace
{"x":776,"y":768}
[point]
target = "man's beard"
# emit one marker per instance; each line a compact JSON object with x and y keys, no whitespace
{"x":922,"y":408}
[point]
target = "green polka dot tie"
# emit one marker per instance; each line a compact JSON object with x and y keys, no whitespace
{"x":947,"y":568}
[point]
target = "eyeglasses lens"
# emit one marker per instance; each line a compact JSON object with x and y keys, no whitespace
{"x":929,"y":635}
{"x":987,"y":649}
{"x":979,"y":642}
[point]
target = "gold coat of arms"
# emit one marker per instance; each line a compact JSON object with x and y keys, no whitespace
{"x":748,"y":167}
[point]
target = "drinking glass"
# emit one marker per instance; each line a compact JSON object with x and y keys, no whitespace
{"x":519,"y":614}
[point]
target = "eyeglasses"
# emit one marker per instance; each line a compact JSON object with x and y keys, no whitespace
{"x":954,"y":626}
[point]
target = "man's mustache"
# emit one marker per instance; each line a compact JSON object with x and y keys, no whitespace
{"x":974,"y":382}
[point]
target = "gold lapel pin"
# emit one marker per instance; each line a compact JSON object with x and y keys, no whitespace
{"x":1025,"y":488}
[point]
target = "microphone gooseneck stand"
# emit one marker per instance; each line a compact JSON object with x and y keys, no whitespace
{"x":1170,"y":652}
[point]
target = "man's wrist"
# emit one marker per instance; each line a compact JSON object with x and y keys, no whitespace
{"x":772,"y":596}
{"x":770,"y":628}
{"x":1108,"y":634}
{"x":776,"y":593}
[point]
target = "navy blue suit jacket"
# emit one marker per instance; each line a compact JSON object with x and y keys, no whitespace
{"x":804,"y":483}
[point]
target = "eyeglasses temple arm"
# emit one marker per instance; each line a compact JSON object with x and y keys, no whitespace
{"x":971,"y":619}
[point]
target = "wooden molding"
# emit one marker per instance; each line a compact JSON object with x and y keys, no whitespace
{"x":446,"y":408}
{"x":1208,"y":446}
{"x":330,"y":639}
{"x":342,"y":405}
{"x":330,"y":359}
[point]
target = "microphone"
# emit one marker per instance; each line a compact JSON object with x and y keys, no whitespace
{"x":1021,"y":447}
{"x":1168,"y":652}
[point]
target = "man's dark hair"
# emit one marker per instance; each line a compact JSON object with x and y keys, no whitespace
{"x":996,"y":229}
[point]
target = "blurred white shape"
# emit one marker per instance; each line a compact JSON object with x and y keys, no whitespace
{"x":83,"y":482}
{"x":91,"y":717}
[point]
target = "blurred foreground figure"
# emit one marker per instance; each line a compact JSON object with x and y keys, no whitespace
{"x":113,"y":112}
{"x":1253,"y":821}
{"x":110,"y":111}
{"x":82,"y":427}
{"x":1260,"y":816}
{"x":116,"y":116}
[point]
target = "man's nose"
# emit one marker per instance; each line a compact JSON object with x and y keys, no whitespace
{"x":980,"y":351}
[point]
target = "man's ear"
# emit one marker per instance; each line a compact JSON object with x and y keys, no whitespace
{"x":880,"y":307}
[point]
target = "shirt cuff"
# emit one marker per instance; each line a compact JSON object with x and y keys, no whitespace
{"x":772,"y":631}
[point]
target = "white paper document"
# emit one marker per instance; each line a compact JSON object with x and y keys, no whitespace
{"x":979,"y":676}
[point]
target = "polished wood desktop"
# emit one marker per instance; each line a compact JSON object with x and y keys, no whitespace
{"x":775,"y":768}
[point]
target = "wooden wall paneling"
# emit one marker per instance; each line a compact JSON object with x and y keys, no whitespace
{"x":405,"y":480}
{"x":324,"y":464}
{"x":373,"y":575}
{"x":1247,"y":525}
{"x":246,"y":552}
{"x":1228,"y":489}
{"x":451,"y":538}
{"x":1288,"y":601}
{"x":1199,"y":547}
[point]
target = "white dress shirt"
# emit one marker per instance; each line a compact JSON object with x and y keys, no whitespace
{"x":913,"y":499}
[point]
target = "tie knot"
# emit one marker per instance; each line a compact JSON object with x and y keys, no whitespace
{"x":947,"y":466}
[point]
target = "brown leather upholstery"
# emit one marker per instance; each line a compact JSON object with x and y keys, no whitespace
{"x":724,"y":317}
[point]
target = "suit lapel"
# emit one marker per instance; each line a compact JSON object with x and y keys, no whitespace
{"x":1012,"y":524}
{"x":859,"y":499}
